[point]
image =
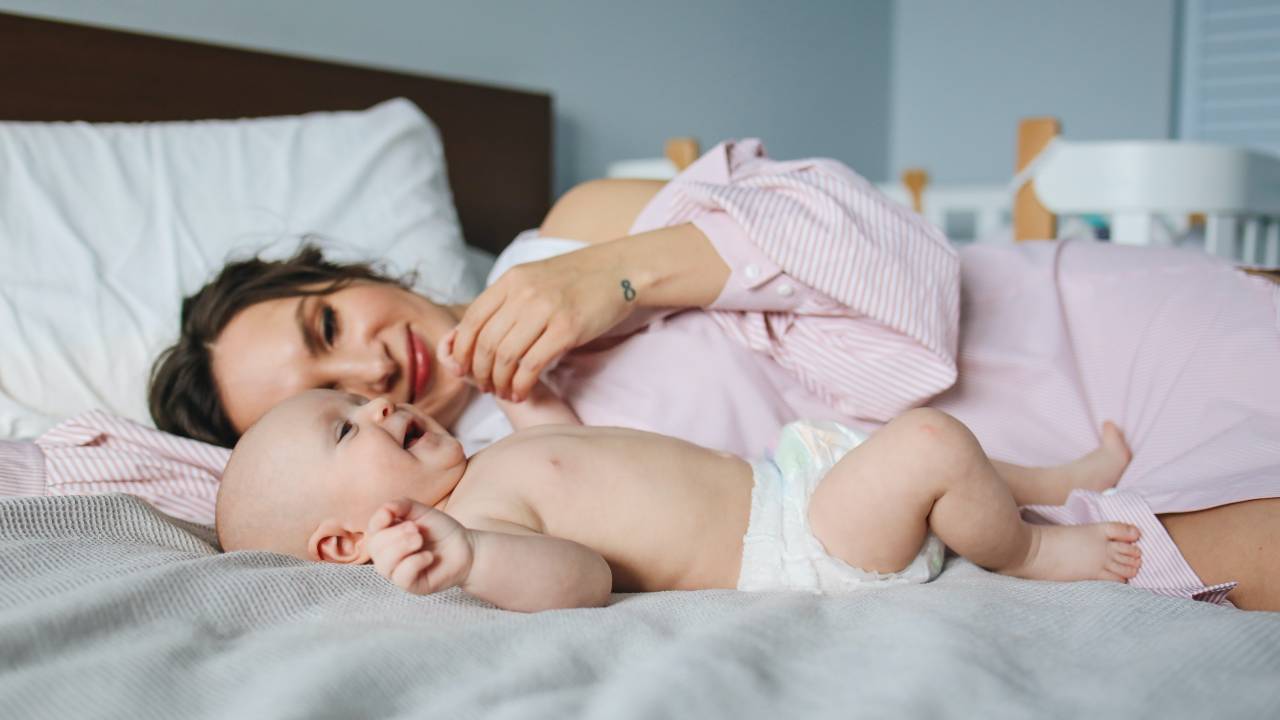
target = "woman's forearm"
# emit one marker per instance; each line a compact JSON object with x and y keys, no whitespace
{"x":675,"y":266}
{"x":536,"y":312}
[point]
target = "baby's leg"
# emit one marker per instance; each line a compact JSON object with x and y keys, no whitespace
{"x":925,"y":470}
{"x":1099,"y":470}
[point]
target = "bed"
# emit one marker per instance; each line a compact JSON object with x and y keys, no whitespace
{"x":110,"y":607}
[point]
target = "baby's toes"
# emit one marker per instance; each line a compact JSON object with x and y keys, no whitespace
{"x":1121,"y":559}
{"x":1127,"y":552}
{"x":1121,"y":571}
{"x":1113,"y":440}
{"x":1122,"y":532}
{"x":1119,"y":574}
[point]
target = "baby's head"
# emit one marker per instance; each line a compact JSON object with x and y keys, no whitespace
{"x":305,"y":479}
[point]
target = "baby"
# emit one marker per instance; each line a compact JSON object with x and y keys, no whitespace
{"x":560,"y":515}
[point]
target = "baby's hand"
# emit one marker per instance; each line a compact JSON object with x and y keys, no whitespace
{"x":419,"y":548}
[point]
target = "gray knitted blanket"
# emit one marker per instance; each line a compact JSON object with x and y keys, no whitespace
{"x":110,"y":609}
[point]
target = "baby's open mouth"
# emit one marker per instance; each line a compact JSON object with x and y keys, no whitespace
{"x":412,"y":433}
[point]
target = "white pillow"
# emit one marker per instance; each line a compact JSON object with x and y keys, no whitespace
{"x":104,"y":228}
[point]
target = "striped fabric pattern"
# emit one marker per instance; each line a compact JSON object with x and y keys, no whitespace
{"x":1164,"y":571}
{"x":21,"y":468}
{"x":892,"y":279}
{"x":97,"y":453}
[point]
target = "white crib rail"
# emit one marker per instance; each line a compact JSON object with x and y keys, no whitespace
{"x":978,"y":213}
{"x":1146,"y":190}
{"x":1136,"y":182}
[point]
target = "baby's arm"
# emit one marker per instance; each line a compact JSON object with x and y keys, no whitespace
{"x":542,"y":407}
{"x":424,"y":550}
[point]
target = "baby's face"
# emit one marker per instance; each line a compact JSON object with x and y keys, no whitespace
{"x":345,"y":456}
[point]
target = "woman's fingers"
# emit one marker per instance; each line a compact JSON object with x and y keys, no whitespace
{"x":473,"y":321}
{"x":491,"y":337}
{"x":510,"y":356}
{"x":444,"y":352}
{"x":553,"y":343}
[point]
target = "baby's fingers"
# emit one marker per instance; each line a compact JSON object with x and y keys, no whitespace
{"x":388,"y":515}
{"x":411,"y":573}
{"x":389,"y":547}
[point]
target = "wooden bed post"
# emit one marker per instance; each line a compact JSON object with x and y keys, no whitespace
{"x":1031,"y":220}
{"x":682,"y":151}
{"x":915,"y":180}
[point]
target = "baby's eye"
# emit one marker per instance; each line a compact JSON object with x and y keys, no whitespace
{"x":342,"y":431}
{"x":328,"y":324}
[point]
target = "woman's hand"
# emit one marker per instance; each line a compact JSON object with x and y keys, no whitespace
{"x":535,"y":313}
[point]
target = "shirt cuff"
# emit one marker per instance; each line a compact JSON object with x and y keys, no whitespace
{"x":21,"y":469}
{"x":1164,"y":570}
{"x":756,"y":282}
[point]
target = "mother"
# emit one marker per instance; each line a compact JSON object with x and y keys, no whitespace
{"x":747,"y":293}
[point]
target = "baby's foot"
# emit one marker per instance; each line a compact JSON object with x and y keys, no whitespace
{"x":1100,"y":469}
{"x":1102,"y":551}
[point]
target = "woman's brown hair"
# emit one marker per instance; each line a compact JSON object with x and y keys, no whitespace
{"x":183,"y":395}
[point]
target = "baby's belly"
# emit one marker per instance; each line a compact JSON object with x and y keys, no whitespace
{"x":685,"y":549}
{"x":660,"y":528}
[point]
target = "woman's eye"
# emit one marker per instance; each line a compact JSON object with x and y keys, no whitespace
{"x":328,"y":324}
{"x":342,"y":431}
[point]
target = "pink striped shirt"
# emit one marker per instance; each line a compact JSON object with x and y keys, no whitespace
{"x":97,"y":453}
{"x":848,"y":304}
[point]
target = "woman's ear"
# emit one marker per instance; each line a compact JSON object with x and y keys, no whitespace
{"x":334,"y":542}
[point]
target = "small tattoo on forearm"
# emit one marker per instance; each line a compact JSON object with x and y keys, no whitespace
{"x":628,"y":292}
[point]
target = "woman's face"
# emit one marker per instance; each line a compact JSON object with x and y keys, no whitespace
{"x":368,"y":338}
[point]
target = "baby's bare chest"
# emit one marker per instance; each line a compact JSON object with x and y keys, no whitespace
{"x":591,"y":487}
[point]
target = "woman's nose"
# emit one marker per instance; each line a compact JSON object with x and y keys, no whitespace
{"x":367,"y":373}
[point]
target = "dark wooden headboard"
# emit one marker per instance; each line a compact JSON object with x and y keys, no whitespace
{"x":497,"y":141}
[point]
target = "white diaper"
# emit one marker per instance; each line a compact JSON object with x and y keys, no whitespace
{"x":779,"y":551}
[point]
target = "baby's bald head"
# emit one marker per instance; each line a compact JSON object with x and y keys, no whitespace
{"x":263,"y":503}
{"x":305,"y":478}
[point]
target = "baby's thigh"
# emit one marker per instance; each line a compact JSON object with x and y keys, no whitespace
{"x":871,"y":509}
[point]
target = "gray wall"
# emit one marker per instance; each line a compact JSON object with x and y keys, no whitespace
{"x":810,"y":77}
{"x":964,"y":72}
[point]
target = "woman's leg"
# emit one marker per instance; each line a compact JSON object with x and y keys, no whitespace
{"x":1238,"y":542}
{"x":925,"y":471}
{"x":598,"y":211}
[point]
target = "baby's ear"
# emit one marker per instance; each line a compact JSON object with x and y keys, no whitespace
{"x":334,"y":542}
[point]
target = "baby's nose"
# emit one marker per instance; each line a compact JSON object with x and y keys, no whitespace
{"x":380,"y":408}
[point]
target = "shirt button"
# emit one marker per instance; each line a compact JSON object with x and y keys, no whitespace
{"x":751,"y":271}
{"x":786,"y":290}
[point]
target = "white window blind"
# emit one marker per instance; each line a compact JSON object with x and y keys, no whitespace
{"x":1231,"y":72}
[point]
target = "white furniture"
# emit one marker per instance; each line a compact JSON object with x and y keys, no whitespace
{"x":1148,"y":192}
{"x":1135,"y":182}
{"x":966,"y":213}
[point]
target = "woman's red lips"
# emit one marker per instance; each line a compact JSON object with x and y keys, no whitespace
{"x":419,"y":367}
